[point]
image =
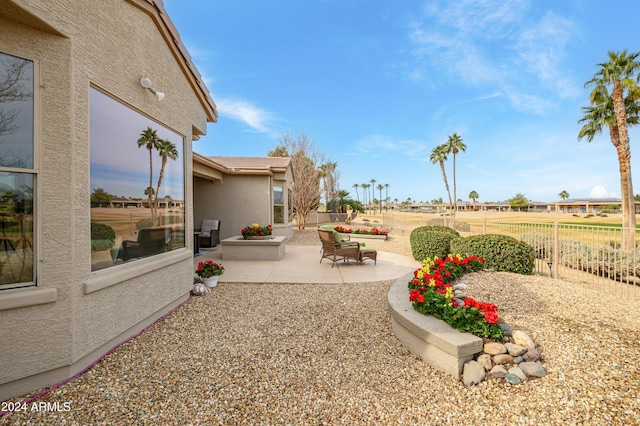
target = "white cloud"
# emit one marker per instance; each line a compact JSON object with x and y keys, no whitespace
{"x":379,"y":145}
{"x":243,"y":111}
{"x":600,"y":191}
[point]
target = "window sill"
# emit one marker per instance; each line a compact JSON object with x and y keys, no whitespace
{"x":115,"y":275}
{"x":30,"y":296}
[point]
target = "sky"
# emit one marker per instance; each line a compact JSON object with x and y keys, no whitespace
{"x":377,"y":84}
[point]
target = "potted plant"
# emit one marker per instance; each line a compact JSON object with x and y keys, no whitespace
{"x":256,"y":231}
{"x":209,"y":271}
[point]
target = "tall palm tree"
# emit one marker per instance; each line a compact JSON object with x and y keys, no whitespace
{"x":166,"y":150}
{"x":613,"y":103}
{"x":439,"y":155}
{"x":563,"y":194}
{"x":356,"y":186}
{"x":150,"y":140}
{"x":365,"y":194}
{"x":386,"y":193}
{"x":380,"y":188}
{"x":454,"y":145}
{"x":373,"y":190}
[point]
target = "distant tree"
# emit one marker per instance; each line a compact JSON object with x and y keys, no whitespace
{"x":380,"y":188}
{"x":613,"y":102}
{"x":356,"y":186}
{"x":636,"y":197}
{"x":439,"y":155}
{"x":373,"y":191}
{"x":365,"y":194}
{"x":519,"y":202}
{"x":454,"y":145}
{"x":100,"y":197}
{"x":305,"y":163}
{"x":278,"y":151}
{"x":563,"y":194}
{"x":473,"y":195}
{"x":386,"y":193}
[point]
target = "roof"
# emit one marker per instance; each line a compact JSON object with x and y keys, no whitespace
{"x":248,"y":164}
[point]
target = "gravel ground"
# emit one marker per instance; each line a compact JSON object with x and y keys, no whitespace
{"x":325,"y":354}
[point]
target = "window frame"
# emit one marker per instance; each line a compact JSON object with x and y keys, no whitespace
{"x":33,"y":171}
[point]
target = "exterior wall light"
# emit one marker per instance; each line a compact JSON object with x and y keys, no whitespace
{"x":146,"y":83}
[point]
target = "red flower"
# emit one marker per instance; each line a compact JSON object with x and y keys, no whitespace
{"x":421,"y":298}
{"x":491,"y":317}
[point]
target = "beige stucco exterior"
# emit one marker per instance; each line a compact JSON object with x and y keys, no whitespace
{"x":239,"y":192}
{"x":73,"y":316}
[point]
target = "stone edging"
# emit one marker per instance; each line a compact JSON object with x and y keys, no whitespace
{"x":427,"y":337}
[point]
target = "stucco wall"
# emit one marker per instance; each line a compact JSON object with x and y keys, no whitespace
{"x":110,"y":45}
{"x":239,"y":201}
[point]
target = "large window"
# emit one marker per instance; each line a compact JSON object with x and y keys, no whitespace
{"x":17,"y":171}
{"x":278,"y":204}
{"x":137,"y":184}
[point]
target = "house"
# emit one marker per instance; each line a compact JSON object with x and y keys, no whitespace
{"x":241,"y":191}
{"x":589,"y":205}
{"x":87,"y":82}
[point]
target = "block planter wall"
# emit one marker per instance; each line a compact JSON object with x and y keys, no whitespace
{"x":431,"y":339}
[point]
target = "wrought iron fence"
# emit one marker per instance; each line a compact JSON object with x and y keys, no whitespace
{"x":580,"y":253}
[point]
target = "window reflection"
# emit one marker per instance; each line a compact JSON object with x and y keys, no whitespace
{"x":16,"y":112}
{"x":16,"y":189}
{"x":137,"y":185}
{"x":16,"y":228}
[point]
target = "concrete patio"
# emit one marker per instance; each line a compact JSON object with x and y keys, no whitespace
{"x":301,"y":264}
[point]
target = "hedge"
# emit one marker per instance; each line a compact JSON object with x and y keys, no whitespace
{"x":431,"y":241}
{"x":102,"y":236}
{"x":502,"y":253}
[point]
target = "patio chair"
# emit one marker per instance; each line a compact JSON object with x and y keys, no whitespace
{"x":150,"y":241}
{"x":334,"y":249}
{"x":209,"y":233}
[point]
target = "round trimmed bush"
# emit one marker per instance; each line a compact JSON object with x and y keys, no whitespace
{"x":102,"y":236}
{"x":502,"y":253}
{"x":431,"y":241}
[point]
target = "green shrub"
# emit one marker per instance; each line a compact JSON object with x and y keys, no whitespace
{"x":431,"y":241}
{"x":102,"y":236}
{"x":502,"y":253}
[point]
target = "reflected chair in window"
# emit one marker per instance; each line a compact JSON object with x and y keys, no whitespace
{"x":209,"y":233}
{"x":150,"y":241}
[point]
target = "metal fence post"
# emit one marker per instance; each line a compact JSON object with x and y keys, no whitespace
{"x":556,"y":250}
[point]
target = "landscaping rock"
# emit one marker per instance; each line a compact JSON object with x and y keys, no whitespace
{"x":498,"y":372}
{"x":494,"y":348}
{"x":515,"y":349}
{"x":531,"y":355}
{"x":502,"y":359}
{"x":513,"y":379}
{"x":473,"y":373}
{"x":518,"y":372}
{"x":518,"y":360}
{"x":506,"y":329}
{"x":534,"y":369}
{"x":485,"y":360}
{"x":521,"y":338}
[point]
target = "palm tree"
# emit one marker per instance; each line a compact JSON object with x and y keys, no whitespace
{"x":616,"y":108}
{"x":563,"y":194}
{"x":439,"y":155}
{"x":356,"y":186}
{"x":386,"y":193}
{"x":454,"y":145}
{"x":166,"y":150}
{"x":365,"y":194}
{"x":150,"y":140}
{"x":373,"y":190}
{"x":380,"y":188}
{"x":473,"y":195}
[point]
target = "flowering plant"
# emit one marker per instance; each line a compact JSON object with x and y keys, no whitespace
{"x":209,"y":269}
{"x":256,"y":230}
{"x":371,"y":231}
{"x":431,"y":294}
